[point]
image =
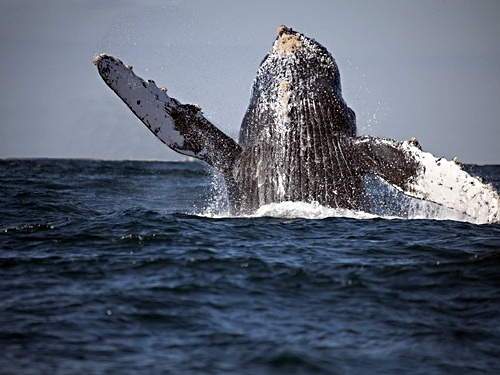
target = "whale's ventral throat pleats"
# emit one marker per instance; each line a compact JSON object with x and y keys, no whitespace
{"x":297,"y":79}
{"x":294,"y":128}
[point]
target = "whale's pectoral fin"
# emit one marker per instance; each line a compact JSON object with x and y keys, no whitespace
{"x":419,"y":174}
{"x":387,"y":159}
{"x":182,"y":127}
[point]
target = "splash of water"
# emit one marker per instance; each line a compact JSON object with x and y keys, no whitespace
{"x":385,"y":202}
{"x":218,"y":205}
{"x":302,"y":210}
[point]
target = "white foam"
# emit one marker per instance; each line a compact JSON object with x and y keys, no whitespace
{"x":410,"y":209}
{"x":302,"y":210}
{"x":291,"y":210}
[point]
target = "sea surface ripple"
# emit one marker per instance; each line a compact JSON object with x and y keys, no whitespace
{"x":134,"y":268}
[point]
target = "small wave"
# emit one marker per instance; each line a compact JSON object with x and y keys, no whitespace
{"x":30,"y":228}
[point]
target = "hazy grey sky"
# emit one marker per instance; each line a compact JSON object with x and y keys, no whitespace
{"x":429,"y":69}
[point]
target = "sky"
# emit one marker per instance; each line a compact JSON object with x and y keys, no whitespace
{"x":427,"y":68}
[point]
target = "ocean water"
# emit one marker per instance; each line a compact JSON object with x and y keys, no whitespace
{"x":133,"y":268}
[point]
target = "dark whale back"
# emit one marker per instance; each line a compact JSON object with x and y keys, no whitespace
{"x":297,"y":130}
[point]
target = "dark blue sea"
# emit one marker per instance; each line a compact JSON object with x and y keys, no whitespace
{"x":133,"y":267}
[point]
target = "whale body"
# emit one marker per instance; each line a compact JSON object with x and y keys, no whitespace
{"x":298,"y":139}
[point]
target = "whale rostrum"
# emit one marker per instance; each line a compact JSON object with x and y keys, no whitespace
{"x":298,"y":139}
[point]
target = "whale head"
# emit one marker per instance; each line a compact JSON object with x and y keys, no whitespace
{"x":297,"y":88}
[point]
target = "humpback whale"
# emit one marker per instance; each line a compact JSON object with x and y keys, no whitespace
{"x":298,"y":139}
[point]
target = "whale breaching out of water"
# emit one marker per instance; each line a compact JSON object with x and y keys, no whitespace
{"x":298,"y":139}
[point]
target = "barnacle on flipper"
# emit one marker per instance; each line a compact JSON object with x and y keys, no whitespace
{"x":413,"y":141}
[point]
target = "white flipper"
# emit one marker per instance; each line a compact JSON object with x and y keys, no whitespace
{"x":421,"y":175}
{"x":446,"y":183}
{"x":182,"y":127}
